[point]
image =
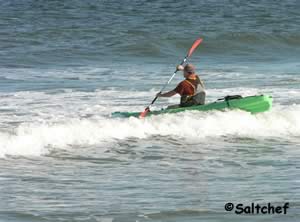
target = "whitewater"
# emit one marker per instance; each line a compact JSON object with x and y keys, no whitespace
{"x":40,"y":126}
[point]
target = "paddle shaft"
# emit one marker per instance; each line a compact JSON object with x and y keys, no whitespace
{"x":163,"y":88}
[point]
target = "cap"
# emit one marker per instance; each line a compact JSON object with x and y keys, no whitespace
{"x":189,"y":68}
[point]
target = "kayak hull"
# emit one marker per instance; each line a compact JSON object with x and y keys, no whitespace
{"x":252,"y":104}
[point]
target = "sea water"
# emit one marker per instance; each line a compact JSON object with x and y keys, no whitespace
{"x":65,"y":66}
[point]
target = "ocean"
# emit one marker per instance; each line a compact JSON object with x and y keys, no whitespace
{"x":65,"y":66}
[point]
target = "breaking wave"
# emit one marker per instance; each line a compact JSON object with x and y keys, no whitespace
{"x":39,"y":138}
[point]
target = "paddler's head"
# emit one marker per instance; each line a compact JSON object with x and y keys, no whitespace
{"x":189,"y":70}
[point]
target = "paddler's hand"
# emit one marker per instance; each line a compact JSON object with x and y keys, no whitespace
{"x":179,"y":68}
{"x":158,"y":94}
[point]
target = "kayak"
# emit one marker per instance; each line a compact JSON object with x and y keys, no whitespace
{"x":252,"y":104}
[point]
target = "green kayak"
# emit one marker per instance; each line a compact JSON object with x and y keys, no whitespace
{"x":252,"y":104}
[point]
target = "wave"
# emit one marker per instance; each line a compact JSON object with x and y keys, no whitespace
{"x":38,"y":139}
{"x":240,"y":37}
{"x":252,"y":42}
{"x":231,"y":43}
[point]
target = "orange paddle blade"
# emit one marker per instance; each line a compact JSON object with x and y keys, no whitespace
{"x":143,"y":114}
{"x":194,"y":46}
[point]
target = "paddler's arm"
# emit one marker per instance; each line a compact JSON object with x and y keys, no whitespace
{"x":172,"y":92}
{"x":167,"y":94}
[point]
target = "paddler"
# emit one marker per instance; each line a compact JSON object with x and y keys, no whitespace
{"x":191,"y":89}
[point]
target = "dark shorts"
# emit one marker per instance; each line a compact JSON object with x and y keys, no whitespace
{"x":198,"y":99}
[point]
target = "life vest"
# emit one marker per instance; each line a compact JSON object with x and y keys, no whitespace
{"x":198,"y":97}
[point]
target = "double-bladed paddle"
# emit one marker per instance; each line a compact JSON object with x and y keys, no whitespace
{"x":190,"y":52}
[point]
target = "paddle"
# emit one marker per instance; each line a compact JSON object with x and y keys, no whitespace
{"x":190,"y":52}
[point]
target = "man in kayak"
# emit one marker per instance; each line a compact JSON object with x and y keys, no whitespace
{"x":191,"y":89}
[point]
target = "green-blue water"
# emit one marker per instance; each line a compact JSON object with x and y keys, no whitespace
{"x":65,"y":66}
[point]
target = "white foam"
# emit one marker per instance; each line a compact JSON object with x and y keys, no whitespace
{"x":38,"y":138}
